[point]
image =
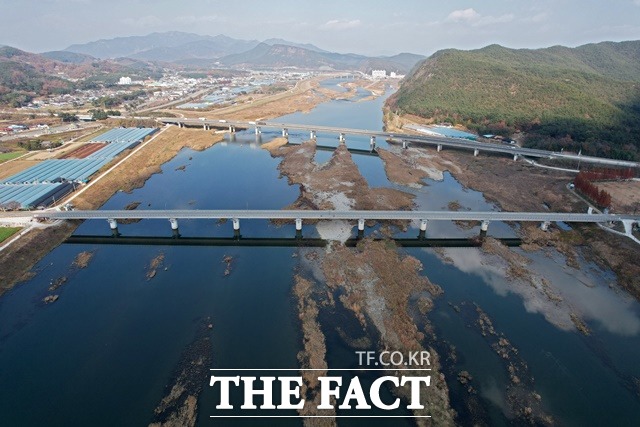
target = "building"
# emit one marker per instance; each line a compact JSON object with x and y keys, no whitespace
{"x":379,"y":74}
{"x":124,"y":81}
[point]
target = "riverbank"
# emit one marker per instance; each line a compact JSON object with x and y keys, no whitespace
{"x":19,"y":259}
{"x":304,"y":97}
{"x":146,"y":162}
{"x":23,"y":254}
{"x":517,"y":186}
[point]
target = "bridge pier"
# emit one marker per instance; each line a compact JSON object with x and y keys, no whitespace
{"x":174,"y":227}
{"x":515,"y":157}
{"x":423,"y":228}
{"x":405,"y":144}
{"x":180,"y":124}
{"x":342,"y":138}
{"x":476,"y":152}
{"x":113,"y":225}
{"x":439,"y":148}
{"x":545,"y":225}
{"x":258,"y":130}
{"x":361,"y":228}
{"x":372,"y":143}
{"x":232,"y":129}
{"x":484,"y":227}
{"x":628,"y":227}
{"x":312,"y":134}
{"x":298,"y":228}
{"x":285,"y":133}
{"x":236,"y":228}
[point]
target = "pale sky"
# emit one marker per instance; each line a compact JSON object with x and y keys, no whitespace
{"x":371,"y":27}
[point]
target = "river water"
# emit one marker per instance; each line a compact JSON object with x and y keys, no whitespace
{"x":104,"y":353}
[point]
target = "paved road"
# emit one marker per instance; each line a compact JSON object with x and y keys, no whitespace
{"x":425,"y":139}
{"x":46,"y":133}
{"x":344,"y":215}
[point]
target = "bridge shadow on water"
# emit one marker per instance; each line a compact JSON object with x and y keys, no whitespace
{"x":275,"y":242}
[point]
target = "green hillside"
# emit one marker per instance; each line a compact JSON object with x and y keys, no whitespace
{"x":573,"y":98}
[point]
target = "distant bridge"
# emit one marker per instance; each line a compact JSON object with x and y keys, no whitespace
{"x":485,"y":217}
{"x":403,"y":138}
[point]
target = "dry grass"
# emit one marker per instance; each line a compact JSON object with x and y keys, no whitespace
{"x":379,"y":282}
{"x":513,"y":185}
{"x":313,"y":354}
{"x":274,"y":145}
{"x":625,"y":195}
{"x":83,"y":259}
{"x":340,"y":175}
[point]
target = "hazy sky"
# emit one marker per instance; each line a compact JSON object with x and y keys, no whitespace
{"x":367,"y":27}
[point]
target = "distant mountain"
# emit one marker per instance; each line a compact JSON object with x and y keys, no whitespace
{"x":205,"y":51}
{"x":128,"y":46}
{"x":408,"y":60}
{"x":278,"y":55}
{"x":268,"y":56}
{"x":283,"y":42}
{"x":68,"y":57}
{"x":207,"y":48}
{"x":585,"y":98}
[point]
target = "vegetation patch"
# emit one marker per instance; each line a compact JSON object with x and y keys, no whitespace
{"x":6,"y":232}
{"x":586,"y":98}
{"x":9,"y":156}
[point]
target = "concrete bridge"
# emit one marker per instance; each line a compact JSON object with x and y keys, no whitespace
{"x":402,"y":138}
{"x":423,"y":217}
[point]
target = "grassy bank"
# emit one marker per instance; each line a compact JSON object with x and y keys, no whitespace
{"x":6,"y":232}
{"x":8,"y":156}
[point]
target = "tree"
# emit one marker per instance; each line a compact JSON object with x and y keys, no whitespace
{"x":98,"y":114}
{"x":68,"y":117}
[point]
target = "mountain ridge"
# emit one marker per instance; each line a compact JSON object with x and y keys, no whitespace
{"x":190,"y":49}
{"x":585,"y":98}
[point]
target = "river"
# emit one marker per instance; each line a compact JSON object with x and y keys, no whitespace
{"x":104,"y":353}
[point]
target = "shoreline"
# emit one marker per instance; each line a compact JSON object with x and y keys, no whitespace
{"x":25,"y":252}
{"x":509,"y":185}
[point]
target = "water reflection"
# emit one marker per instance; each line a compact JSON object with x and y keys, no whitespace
{"x":583,"y":292}
{"x":588,"y":293}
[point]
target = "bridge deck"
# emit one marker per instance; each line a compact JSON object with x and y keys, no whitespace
{"x":424,"y":139}
{"x":335,"y":215}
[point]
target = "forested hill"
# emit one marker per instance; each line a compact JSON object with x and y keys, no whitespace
{"x":573,"y":98}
